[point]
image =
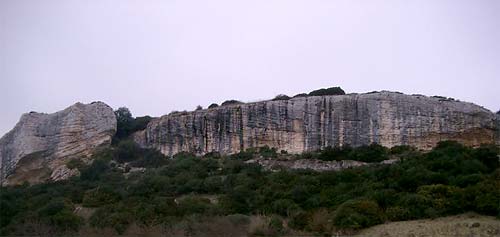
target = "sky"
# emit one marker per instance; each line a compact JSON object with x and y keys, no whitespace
{"x":156,"y":56}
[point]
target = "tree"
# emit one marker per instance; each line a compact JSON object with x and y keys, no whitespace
{"x":213,"y":105}
{"x":124,"y":122}
{"x":198,"y":108}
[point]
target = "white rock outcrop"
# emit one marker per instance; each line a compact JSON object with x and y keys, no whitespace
{"x":40,"y":145}
{"x":314,"y":122}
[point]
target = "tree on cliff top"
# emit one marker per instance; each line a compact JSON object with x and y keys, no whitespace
{"x":126,"y":124}
{"x":327,"y":91}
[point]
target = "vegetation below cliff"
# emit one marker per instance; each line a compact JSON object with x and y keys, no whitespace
{"x":116,"y":194}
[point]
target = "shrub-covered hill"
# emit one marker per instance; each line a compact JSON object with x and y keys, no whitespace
{"x":116,"y":193}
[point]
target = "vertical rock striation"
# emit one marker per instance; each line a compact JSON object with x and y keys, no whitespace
{"x":314,"y":122}
{"x":39,"y":146}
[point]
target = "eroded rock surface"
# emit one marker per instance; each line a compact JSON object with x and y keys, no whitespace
{"x":39,"y":146}
{"x":311,"y":123}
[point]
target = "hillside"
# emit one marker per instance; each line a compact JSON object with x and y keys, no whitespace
{"x":128,"y":190}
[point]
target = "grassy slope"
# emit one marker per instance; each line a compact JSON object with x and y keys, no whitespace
{"x":461,"y":225}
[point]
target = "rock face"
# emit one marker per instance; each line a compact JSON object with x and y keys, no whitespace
{"x":311,"y":123}
{"x":40,"y":145}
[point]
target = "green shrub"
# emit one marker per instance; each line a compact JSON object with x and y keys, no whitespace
{"x":127,"y":150}
{"x":192,"y":205}
{"x":285,"y":207}
{"x":244,"y":155}
{"x":488,"y":155}
{"x":141,"y":123}
{"x":150,"y":158}
{"x":327,"y":91}
{"x":397,"y":213}
{"x":231,"y":102}
{"x":443,"y":199}
{"x":100,"y":196}
{"x":276,"y":225}
{"x":335,"y":153}
{"x":212,"y":184}
{"x":299,"y":220}
{"x":268,"y":152}
{"x":486,"y":197}
{"x":401,"y":149}
{"x":281,"y":97}
{"x":415,"y":205}
{"x":467,"y":180}
{"x":95,"y":170}
{"x":66,"y":220}
{"x":59,"y":214}
{"x":356,"y":214}
{"x":116,"y":217}
{"x":300,"y":95}
{"x":52,"y":207}
{"x":75,"y":164}
{"x":371,"y":153}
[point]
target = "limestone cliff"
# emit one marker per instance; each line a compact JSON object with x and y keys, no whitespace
{"x":39,"y":146}
{"x":313,"y":122}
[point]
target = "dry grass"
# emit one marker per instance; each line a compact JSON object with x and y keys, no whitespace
{"x":457,"y":226}
{"x":239,"y":226}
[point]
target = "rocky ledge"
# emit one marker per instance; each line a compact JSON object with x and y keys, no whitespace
{"x":312,"y":164}
{"x":40,"y":145}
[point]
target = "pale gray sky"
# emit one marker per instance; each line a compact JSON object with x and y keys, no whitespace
{"x":155,"y":56}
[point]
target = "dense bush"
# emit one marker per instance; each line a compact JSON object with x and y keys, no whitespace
{"x":231,"y":102}
{"x":281,"y":97}
{"x":58,"y":213}
{"x":100,"y":196}
{"x":213,"y":105}
{"x":369,"y":153}
{"x":95,"y":170}
{"x":127,"y":150}
{"x":356,"y":214}
{"x":300,"y":95}
{"x":327,"y":91}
